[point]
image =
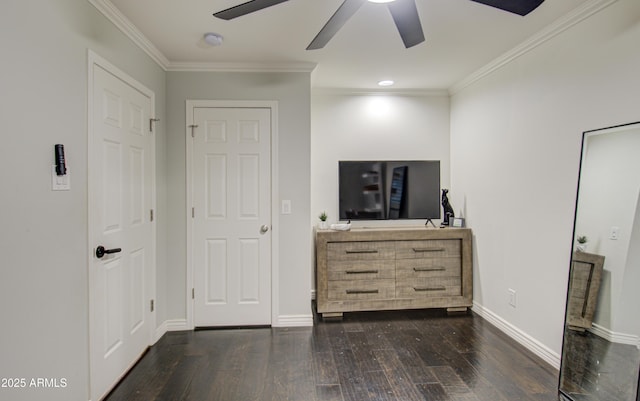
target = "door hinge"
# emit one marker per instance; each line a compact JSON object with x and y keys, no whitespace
{"x":153,"y":306}
{"x":193,"y":130}
{"x":151,"y":121}
{"x":193,"y":212}
{"x":151,"y":215}
{"x":193,"y":293}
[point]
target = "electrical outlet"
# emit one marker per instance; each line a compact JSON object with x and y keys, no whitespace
{"x":512,"y":297}
{"x":614,"y":233}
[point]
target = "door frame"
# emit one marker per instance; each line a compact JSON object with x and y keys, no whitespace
{"x":275,"y":195}
{"x":95,"y":60}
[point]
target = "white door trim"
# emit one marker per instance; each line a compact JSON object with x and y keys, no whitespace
{"x":95,"y":59}
{"x":275,"y":196}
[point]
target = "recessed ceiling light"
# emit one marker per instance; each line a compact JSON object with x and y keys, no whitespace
{"x":214,"y":39}
{"x":386,"y":82}
{"x":381,"y":1}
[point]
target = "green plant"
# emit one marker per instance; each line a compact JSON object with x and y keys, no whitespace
{"x":582,"y":239}
{"x":323,"y":216}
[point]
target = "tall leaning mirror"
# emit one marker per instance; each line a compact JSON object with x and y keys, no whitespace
{"x":601,"y":346}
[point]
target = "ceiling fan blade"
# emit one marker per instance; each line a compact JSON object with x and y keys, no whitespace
{"x":405,"y":15}
{"x":520,"y":7}
{"x":337,"y":20}
{"x":246,"y":8}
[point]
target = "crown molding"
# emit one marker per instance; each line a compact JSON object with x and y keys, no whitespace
{"x":241,"y":67}
{"x":111,"y":12}
{"x":579,"y":14}
{"x":378,"y":92}
{"x":126,"y":26}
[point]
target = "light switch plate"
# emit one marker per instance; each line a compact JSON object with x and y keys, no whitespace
{"x":286,"y":206}
{"x":512,"y":297}
{"x":60,"y":182}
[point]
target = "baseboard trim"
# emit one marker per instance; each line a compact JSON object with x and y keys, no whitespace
{"x":160,"y":331}
{"x":282,"y":321}
{"x":294,"y":321}
{"x":614,"y":337}
{"x":177,"y":325}
{"x":530,"y":343}
{"x":170,"y":325}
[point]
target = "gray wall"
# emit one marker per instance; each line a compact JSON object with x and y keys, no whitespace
{"x":292,"y":91}
{"x":43,"y":236}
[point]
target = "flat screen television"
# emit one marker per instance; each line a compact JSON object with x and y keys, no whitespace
{"x":389,"y":190}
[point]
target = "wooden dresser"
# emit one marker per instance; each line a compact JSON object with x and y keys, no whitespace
{"x":393,"y":268}
{"x":584,"y":285}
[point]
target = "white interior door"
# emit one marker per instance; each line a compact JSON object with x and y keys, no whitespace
{"x":121,"y":180}
{"x":231,"y":245}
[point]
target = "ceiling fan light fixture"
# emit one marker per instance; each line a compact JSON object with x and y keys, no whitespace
{"x":386,"y":82}
{"x":213,"y":39}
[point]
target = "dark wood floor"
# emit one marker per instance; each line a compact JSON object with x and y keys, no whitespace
{"x":595,"y":369}
{"x":405,"y":355}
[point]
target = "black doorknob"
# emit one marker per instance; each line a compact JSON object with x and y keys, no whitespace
{"x":100,"y":251}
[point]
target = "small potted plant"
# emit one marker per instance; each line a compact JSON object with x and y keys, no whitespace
{"x":323,"y":221}
{"x":582,"y":243}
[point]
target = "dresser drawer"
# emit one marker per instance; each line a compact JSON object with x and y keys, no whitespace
{"x":366,"y":250}
{"x":360,"y":269}
{"x":428,"y":249}
{"x":345,"y":290}
{"x":428,"y":267}
{"x":429,"y":287}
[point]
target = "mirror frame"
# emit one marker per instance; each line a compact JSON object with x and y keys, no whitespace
{"x":561,"y":394}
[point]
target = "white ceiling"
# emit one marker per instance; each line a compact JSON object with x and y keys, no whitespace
{"x":461,"y":37}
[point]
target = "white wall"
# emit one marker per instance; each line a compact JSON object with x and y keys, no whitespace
{"x":43,"y":236}
{"x":385,"y":126}
{"x":292,"y":91}
{"x":515,"y":147}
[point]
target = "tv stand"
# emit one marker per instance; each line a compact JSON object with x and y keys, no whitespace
{"x":393,"y":268}
{"x":430,"y":221}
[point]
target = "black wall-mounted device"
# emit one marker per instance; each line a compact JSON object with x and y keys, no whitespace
{"x":61,"y":167}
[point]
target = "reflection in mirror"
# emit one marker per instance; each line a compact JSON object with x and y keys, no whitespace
{"x":601,"y":346}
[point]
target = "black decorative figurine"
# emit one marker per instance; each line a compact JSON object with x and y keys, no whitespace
{"x":446,"y":206}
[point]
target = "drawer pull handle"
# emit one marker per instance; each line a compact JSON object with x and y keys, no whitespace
{"x":362,"y":251}
{"x":428,"y":249}
{"x":362,"y":291}
{"x":362,"y":272}
{"x":429,"y":269}
{"x":424,"y":289}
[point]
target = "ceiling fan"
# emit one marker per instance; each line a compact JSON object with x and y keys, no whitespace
{"x":404,"y":13}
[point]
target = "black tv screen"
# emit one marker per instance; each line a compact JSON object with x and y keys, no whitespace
{"x":389,"y":190}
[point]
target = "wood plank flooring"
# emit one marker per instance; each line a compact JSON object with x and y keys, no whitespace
{"x":404,"y":355}
{"x":598,"y":370}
